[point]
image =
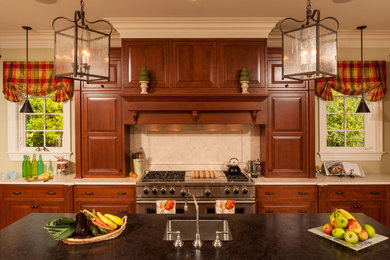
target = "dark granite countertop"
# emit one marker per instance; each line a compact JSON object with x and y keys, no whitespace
{"x":282,"y":236}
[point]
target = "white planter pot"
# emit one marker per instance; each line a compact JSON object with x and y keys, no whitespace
{"x":244,"y":87}
{"x":144,"y":87}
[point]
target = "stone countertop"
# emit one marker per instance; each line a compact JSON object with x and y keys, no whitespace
{"x":369,"y":179}
{"x":261,"y":236}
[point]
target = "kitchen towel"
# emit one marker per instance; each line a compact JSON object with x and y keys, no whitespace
{"x":225,"y":207}
{"x":166,"y":207}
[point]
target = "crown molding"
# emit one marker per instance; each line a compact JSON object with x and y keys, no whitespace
{"x":197,"y":27}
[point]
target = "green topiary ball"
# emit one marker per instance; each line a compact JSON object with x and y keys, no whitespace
{"x":144,"y":75}
{"x":244,"y":75}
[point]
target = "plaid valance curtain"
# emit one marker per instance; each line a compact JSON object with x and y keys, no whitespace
{"x":348,"y":80}
{"x":41,"y":81}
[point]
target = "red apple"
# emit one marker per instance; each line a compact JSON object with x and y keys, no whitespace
{"x":363,"y":235}
{"x":333,"y":223}
{"x":327,"y":229}
{"x":354,"y":226}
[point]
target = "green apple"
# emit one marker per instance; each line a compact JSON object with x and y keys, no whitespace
{"x":338,"y":233}
{"x":341,"y":221}
{"x":370,"y":230}
{"x":363,"y":235}
{"x":351,"y":237}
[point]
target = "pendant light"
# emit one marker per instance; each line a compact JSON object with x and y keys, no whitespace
{"x":363,"y":108}
{"x":26,"y":108}
{"x":310,"y":49}
{"x":80,"y":51}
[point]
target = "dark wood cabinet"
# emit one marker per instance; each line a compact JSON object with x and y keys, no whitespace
{"x":368,"y":199}
{"x":288,"y":141}
{"x":236,"y":54}
{"x":105,"y":198}
{"x":101,"y":142}
{"x":115,"y":82}
{"x":154,"y":55}
{"x":194,"y":64}
{"x":21,"y":200}
{"x":274,"y":199}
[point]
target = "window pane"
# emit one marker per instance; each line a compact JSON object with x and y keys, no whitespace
{"x":54,"y":122}
{"x":335,"y":93}
{"x":335,"y":122}
{"x":355,"y":122}
{"x":53,"y":107}
{"x":34,"y":139}
{"x":351,"y":104}
{"x":335,"y":106}
{"x":37,"y":104}
{"x":355,"y":139}
{"x":34,"y":122}
{"x":53,"y":139}
{"x":334,"y":138}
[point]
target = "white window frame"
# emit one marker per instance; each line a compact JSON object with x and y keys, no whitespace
{"x":16,"y":138}
{"x":373,"y":137}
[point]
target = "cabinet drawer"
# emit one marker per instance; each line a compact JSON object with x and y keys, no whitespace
{"x":357,"y":192}
{"x":25,"y":191}
{"x":286,"y":192}
{"x":117,"y":192}
{"x":113,"y":207}
{"x":289,"y":207}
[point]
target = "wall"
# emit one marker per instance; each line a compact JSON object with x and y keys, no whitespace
{"x":382,"y":166}
{"x":20,"y":55}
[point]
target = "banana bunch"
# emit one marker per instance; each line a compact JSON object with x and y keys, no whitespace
{"x":337,"y":212}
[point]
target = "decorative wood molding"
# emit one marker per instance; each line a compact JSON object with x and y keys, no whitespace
{"x":135,"y":116}
{"x":195,"y":116}
{"x":254,"y":116}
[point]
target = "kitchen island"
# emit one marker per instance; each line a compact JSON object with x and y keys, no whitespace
{"x":282,"y":236}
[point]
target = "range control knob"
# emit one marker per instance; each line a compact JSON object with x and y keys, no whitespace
{"x":207,"y":192}
{"x":163,"y":191}
{"x":244,"y":190}
{"x":182,"y":193}
{"x":227,"y":191}
{"x":236,"y":190}
{"x":154,"y":190}
{"x":146,"y":191}
{"x":172,"y":191}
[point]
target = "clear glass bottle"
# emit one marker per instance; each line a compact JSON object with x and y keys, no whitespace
{"x":40,"y":166}
{"x":34,"y":165}
{"x":24,"y":166}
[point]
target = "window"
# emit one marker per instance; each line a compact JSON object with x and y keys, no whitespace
{"x":46,"y":132}
{"x":346,"y":135}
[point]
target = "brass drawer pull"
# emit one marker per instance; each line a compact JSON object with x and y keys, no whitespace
{"x":269,"y":211}
{"x":34,"y":206}
{"x":122,"y":211}
{"x":269,"y":193}
{"x":302,"y":193}
{"x":374,"y":193}
{"x":16,"y":193}
{"x":340,"y":193}
{"x":302,"y":211}
{"x":122,"y":193}
{"x":51,"y":193}
{"x":357,"y":206}
{"x":89,"y":193}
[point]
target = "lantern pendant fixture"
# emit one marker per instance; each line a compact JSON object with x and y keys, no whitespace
{"x":26,"y":108}
{"x":81,"y":52}
{"x":362,"y":108}
{"x":310,"y":50}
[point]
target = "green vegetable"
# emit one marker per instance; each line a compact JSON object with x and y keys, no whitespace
{"x":61,"y":228}
{"x":102,"y":230}
{"x":94,"y":229}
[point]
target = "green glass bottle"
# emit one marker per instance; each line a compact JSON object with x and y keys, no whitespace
{"x":24,"y":166}
{"x":40,"y":167}
{"x":28,"y":167}
{"x":34,"y":165}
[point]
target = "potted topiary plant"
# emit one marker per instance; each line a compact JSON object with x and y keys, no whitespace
{"x":244,"y":80}
{"x":144,"y":80}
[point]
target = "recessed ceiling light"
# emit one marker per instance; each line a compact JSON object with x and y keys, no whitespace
{"x":47,"y":1}
{"x":341,"y":1}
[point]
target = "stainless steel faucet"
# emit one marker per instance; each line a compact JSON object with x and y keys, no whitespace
{"x":197,"y":243}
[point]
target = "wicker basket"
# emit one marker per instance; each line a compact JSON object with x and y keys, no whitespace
{"x":108,"y":236}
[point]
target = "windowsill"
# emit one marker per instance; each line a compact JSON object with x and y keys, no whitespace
{"x":351,"y":156}
{"x":46,"y":156}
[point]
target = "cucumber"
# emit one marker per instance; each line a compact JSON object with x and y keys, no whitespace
{"x":102,"y":230}
{"x":94,"y":229}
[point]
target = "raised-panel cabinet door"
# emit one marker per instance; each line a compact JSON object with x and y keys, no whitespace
{"x":51,"y":207}
{"x":275,"y":80}
{"x":194,"y":64}
{"x":15,"y":210}
{"x":288,"y":112}
{"x":101,"y":113}
{"x":102,"y":155}
{"x":153,"y":55}
{"x":112,"y":207}
{"x":234,"y":55}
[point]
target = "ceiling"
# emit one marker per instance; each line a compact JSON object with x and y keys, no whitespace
{"x":39,"y":14}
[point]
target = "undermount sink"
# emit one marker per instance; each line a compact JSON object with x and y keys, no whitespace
{"x":207,"y":229}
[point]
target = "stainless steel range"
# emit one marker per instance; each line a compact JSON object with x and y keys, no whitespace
{"x":207,"y":186}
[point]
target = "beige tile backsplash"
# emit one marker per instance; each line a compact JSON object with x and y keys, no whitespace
{"x":195,"y":147}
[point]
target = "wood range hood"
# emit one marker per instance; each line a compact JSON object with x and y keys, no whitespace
{"x":194,"y":109}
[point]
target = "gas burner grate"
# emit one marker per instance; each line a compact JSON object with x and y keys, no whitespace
{"x":236,"y":177}
{"x":164,"y":176}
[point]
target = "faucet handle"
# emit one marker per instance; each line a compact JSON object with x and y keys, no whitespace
{"x":185,"y":207}
{"x":217,"y":243}
{"x":178,"y":242}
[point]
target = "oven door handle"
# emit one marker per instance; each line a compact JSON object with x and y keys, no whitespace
{"x":199,"y":202}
